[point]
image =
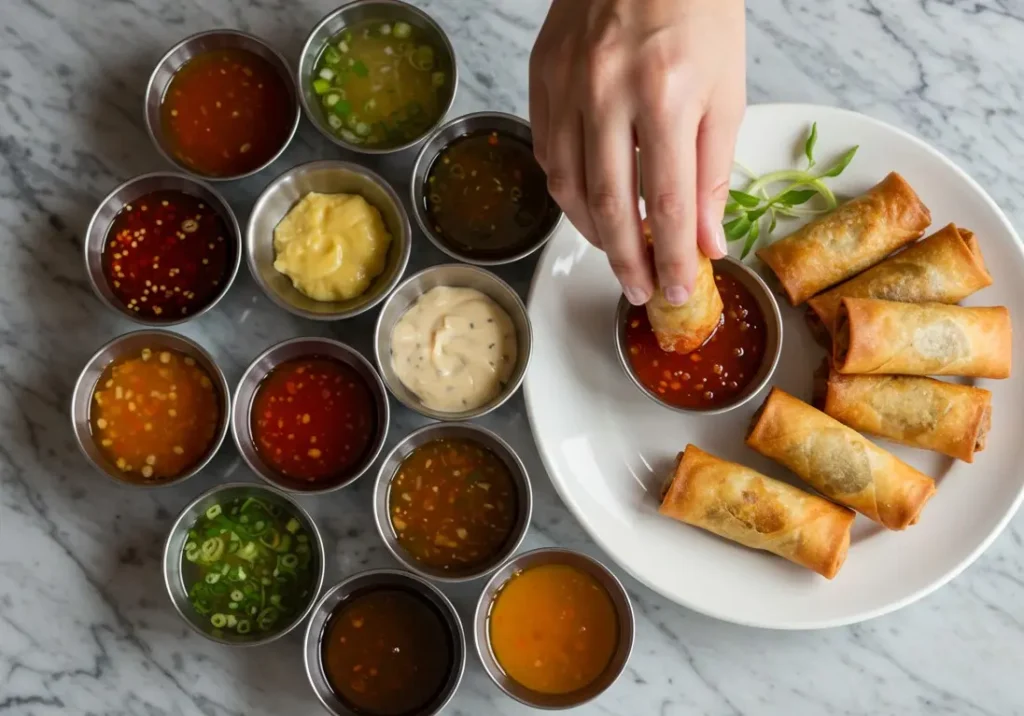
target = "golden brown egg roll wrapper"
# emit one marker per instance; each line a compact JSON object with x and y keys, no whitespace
{"x":682,"y":329}
{"x":872,"y":336}
{"x":756,"y":511}
{"x":946,"y":267}
{"x":839,"y":462}
{"x":913,"y":410}
{"x":844,"y":242}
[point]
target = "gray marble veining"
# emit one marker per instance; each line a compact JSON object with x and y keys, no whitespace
{"x":85,"y":626}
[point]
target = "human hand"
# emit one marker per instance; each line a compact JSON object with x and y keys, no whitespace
{"x":667,"y":76}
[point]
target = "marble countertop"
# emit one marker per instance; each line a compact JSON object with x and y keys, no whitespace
{"x":85,"y":625}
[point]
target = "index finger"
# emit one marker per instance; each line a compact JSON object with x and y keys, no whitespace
{"x":667,"y":164}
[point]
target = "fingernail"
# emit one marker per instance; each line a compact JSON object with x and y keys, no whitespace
{"x":636,"y":296}
{"x":719,"y":236}
{"x":676,"y":295}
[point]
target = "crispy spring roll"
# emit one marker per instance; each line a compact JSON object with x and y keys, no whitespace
{"x":844,"y":242}
{"x":744,"y":506}
{"x":946,"y":267}
{"x":682,"y":329}
{"x":913,"y":410}
{"x":872,"y":336}
{"x":838,"y":462}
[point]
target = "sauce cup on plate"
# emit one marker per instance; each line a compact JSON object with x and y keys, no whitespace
{"x":351,"y":63}
{"x":243,"y":564}
{"x":300,"y":185}
{"x":467,"y":369}
{"x":310,"y":415}
{"x":170,"y":429}
{"x":379,"y":628}
{"x":580,"y":656}
{"x":732,"y":365}
{"x":479,"y":194}
{"x":221,"y":105}
{"x":452,"y":501}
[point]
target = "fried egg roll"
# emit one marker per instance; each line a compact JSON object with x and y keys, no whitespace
{"x":682,"y":329}
{"x":872,"y":336}
{"x":946,"y":267}
{"x":756,"y":511}
{"x":838,"y":462}
{"x":920,"y":412}
{"x":847,"y":240}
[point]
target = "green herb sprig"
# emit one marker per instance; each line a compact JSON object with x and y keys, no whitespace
{"x":750,"y":207}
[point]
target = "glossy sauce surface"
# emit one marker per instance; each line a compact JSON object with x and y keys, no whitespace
{"x":313,"y":419}
{"x":167,"y":255}
{"x":487,"y":197}
{"x":226,"y":112}
{"x":452,"y":503}
{"x":716,"y":372}
{"x":387,"y":651}
{"x":553,"y":628}
{"x":154,"y":414}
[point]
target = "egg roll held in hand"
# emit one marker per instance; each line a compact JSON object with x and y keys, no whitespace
{"x":921,"y":412}
{"x":847,"y":240}
{"x":744,"y":506}
{"x":871,"y":336}
{"x":682,"y":329}
{"x":946,"y":267}
{"x":838,"y":462}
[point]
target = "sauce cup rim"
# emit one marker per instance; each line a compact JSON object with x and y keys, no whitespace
{"x":175,"y":573}
{"x":81,"y":398}
{"x":283,"y":70}
{"x":773,"y":320}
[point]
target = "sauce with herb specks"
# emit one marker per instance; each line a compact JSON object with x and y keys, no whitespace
{"x":713,"y":374}
{"x":386,"y":651}
{"x":168,"y":255}
{"x":452,"y":504}
{"x":313,"y":420}
{"x":226,"y":112}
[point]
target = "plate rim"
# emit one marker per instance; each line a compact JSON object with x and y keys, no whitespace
{"x":812,"y":624}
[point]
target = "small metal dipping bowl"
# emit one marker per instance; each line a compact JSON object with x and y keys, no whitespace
{"x":357,"y":585}
{"x":184,"y":51}
{"x":126,"y":193}
{"x":325,"y":177}
{"x":353,"y":13}
{"x":623,"y":610}
{"x":241,"y":408}
{"x":452,"y":275}
{"x":479,"y":121}
{"x":174,"y":549}
{"x":132,"y":344}
{"x":465,"y":431}
{"x":749,"y":279}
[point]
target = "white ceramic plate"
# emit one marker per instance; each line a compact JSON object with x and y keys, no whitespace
{"x":607,"y":447}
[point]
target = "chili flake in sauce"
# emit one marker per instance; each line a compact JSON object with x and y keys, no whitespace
{"x":715,"y":373}
{"x":227,"y":112}
{"x":452,"y":503}
{"x":167,"y":255}
{"x":386,"y":651}
{"x":313,"y":420}
{"x":155,"y":414}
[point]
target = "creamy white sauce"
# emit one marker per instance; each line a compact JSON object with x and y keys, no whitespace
{"x":454,"y":348}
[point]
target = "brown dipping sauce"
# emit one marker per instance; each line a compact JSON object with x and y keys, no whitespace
{"x":487,"y":197}
{"x":715,"y":373}
{"x":387,"y":652}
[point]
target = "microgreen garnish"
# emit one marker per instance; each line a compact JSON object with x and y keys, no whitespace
{"x":747,"y":208}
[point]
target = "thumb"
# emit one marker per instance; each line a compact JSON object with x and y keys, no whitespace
{"x":716,"y":140}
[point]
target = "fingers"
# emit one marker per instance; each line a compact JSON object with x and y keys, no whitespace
{"x":539,"y":111}
{"x":716,"y":140}
{"x":565,"y":170}
{"x":610,"y":159}
{"x":668,"y":150}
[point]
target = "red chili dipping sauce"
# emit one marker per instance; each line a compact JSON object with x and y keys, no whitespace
{"x":226,"y":112}
{"x":715,"y":373}
{"x":167,"y":255}
{"x":313,"y":420}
